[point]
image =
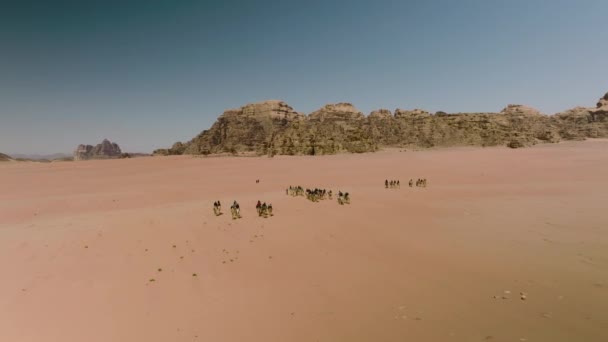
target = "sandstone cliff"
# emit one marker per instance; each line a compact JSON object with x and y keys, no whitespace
{"x":273,"y":127}
{"x":105,"y":150}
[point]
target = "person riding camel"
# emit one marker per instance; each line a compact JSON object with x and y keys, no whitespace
{"x":264,"y":210}
{"x":237,"y":209}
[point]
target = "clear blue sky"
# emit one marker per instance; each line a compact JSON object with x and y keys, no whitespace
{"x":148,"y":73}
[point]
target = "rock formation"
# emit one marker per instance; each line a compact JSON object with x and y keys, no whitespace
{"x":105,"y":150}
{"x":5,"y":157}
{"x":273,"y":127}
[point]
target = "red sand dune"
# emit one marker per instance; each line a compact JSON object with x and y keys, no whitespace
{"x":80,"y":243}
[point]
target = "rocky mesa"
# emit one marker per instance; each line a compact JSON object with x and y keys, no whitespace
{"x":274,"y":127}
{"x":105,"y":150}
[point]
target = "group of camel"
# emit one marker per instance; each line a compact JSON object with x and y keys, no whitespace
{"x":263,"y":209}
{"x":295,"y":191}
{"x":392,"y":184}
{"x":235,"y":209}
{"x":421,"y":182}
{"x":395,"y":184}
{"x":315,"y":195}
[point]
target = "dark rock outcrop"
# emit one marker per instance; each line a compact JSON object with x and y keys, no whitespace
{"x":5,"y":157}
{"x":177,"y":149}
{"x":273,"y":127}
{"x":105,"y":150}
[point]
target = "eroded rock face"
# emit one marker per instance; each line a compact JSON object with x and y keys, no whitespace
{"x":411,"y":114}
{"x":603,"y":102}
{"x":273,"y":127}
{"x":105,"y":150}
{"x":515,"y":109}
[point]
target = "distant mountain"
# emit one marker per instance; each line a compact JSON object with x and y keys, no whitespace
{"x":105,"y":150}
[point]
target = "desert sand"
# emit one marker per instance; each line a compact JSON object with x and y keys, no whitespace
{"x":129,"y":250}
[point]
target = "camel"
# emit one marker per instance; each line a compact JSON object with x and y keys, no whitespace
{"x":235,"y":210}
{"x":264,"y":210}
{"x":343,"y":198}
{"x":217,"y":209}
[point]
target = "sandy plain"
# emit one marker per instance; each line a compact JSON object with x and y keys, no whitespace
{"x":80,"y":244}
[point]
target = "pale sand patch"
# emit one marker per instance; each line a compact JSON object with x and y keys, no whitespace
{"x":81,"y":245}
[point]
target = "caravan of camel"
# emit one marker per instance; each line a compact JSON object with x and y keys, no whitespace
{"x":314,"y":195}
